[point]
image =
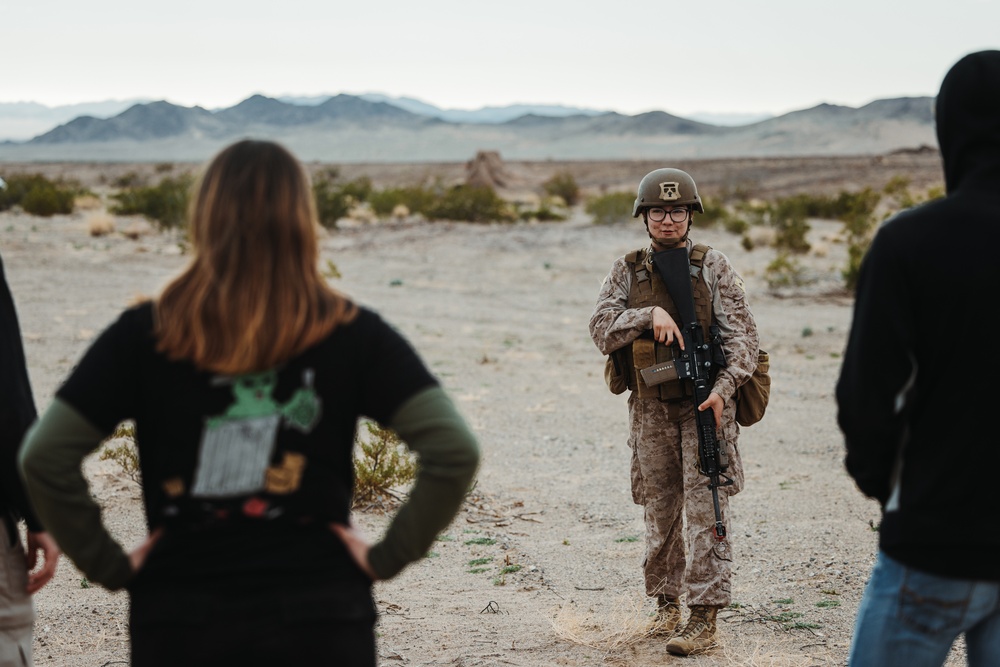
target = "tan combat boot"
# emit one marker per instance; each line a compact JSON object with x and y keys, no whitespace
{"x":699,"y":633}
{"x":668,"y":616}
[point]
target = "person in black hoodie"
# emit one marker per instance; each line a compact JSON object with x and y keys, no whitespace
{"x":19,"y":578}
{"x":914,"y":367}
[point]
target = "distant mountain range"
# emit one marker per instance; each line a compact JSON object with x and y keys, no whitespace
{"x":376,"y":128}
{"x":24,"y":120}
{"x":20,"y":121}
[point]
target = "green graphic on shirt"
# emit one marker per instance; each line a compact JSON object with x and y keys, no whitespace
{"x":253,"y":394}
{"x":237,"y":446}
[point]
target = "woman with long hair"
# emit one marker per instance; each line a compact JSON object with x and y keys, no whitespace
{"x":245,"y":380}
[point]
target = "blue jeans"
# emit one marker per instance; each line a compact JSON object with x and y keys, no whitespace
{"x":911,"y":618}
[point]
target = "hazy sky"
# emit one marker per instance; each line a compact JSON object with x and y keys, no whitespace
{"x":682,"y":57}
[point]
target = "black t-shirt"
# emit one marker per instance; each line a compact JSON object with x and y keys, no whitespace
{"x":17,"y":408}
{"x":246,"y":472}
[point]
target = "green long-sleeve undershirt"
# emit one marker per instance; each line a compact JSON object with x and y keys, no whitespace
{"x":51,"y":461}
{"x":448,"y":458}
{"x":53,"y":452}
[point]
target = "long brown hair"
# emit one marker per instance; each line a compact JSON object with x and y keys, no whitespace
{"x":253,"y":295}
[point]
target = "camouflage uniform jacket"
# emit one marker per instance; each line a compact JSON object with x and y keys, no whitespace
{"x":614,"y":325}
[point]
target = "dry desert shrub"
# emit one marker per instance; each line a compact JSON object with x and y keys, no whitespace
{"x":361,"y":212}
{"x":531,"y":200}
{"x":629,"y":621}
{"x":762,"y":648}
{"x":100,"y":223}
{"x":563,"y":186}
{"x":381,"y":463}
{"x":400,"y":211}
{"x":135,"y":230}
{"x":762,"y":237}
{"x":87,"y":202}
{"x":120,"y":447}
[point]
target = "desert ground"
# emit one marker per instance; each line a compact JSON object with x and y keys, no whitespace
{"x":542,"y":566}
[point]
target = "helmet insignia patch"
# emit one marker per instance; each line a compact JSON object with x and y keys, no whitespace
{"x":670,"y":191}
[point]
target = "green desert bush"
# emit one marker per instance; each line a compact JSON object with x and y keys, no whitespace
{"x":38,"y":195}
{"x":900,"y":196}
{"x":360,"y":189}
{"x":563,"y":185}
{"x":416,"y":199}
{"x":717,"y":213}
{"x":852,"y":206}
{"x":331,"y":204}
{"x":165,"y":203}
{"x":936,"y":192}
{"x":544,"y":213}
{"x":783,"y":271}
{"x":856,"y":210}
{"x":611,"y":208}
{"x":788,"y":217}
{"x":897,"y":186}
{"x":334,"y":199}
{"x":858,"y":216}
{"x":129,"y":180}
{"x":472,"y":203}
{"x":48,"y":201}
{"x":467,"y":203}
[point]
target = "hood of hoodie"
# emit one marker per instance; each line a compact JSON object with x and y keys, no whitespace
{"x":967,"y":112}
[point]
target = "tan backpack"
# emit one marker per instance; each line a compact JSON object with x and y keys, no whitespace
{"x":752,"y":395}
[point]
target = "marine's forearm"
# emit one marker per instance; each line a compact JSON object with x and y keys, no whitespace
{"x":614,"y":329}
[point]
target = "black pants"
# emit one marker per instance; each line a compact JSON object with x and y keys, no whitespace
{"x":326,"y":624}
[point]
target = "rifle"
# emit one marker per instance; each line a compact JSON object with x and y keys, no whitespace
{"x":695,"y":364}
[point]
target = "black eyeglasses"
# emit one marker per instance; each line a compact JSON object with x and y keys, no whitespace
{"x":659,"y":214}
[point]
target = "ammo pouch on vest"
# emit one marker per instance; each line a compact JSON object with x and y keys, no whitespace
{"x":657,"y":374}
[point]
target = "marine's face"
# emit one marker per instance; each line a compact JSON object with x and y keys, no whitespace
{"x":667,"y":225}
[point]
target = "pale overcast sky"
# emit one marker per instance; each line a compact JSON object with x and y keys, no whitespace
{"x":716,"y":56}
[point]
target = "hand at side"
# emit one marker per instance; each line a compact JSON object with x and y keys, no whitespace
{"x":356,"y":545}
{"x":41,"y":542}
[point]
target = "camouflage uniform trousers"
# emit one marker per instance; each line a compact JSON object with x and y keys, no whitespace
{"x":666,"y":482}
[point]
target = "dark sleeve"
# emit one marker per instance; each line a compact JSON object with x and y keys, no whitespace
{"x":17,"y":408}
{"x":103,"y":387}
{"x":877,"y":370}
{"x":394,"y":372}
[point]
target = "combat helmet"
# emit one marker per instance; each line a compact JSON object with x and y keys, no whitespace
{"x":667,"y":186}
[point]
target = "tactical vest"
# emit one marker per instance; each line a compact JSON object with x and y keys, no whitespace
{"x":647,"y":289}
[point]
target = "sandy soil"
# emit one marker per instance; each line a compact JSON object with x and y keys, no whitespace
{"x":500,"y":314}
